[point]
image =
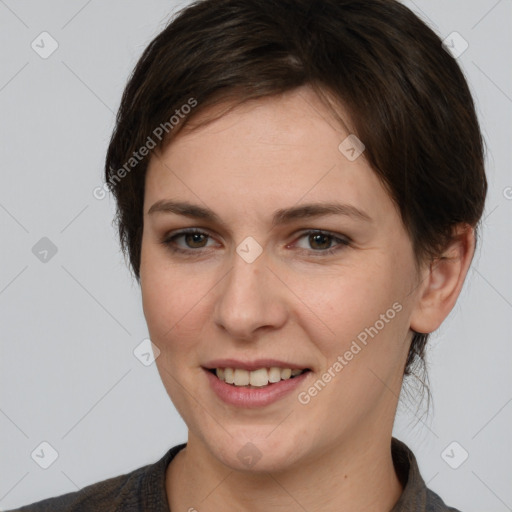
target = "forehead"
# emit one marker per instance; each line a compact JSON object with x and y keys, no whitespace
{"x":280,"y":150}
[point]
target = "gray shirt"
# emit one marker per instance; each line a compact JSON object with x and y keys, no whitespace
{"x":144,"y":490}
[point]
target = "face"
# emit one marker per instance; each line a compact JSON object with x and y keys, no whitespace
{"x":265,"y":249}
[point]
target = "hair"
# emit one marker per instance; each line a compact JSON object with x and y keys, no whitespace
{"x":405,"y":95}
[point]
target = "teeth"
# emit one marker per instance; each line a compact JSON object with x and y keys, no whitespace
{"x":257,"y":378}
{"x":241,"y":377}
{"x":229,"y":375}
{"x":286,"y":373}
{"x":274,"y":374}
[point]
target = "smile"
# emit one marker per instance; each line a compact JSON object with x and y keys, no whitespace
{"x":259,"y":384}
{"x":257,"y":378}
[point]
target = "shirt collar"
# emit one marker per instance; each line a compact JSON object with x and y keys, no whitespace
{"x":414,"y":494}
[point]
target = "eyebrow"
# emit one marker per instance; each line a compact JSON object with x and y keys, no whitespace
{"x":282,"y":216}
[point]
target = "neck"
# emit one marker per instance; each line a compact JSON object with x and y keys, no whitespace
{"x":356,"y":475}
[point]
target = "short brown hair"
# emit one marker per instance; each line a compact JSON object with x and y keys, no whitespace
{"x":405,"y":95}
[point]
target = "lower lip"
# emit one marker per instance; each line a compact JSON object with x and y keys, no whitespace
{"x":254,"y":397}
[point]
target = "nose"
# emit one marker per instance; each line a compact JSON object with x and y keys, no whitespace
{"x":250,"y":299}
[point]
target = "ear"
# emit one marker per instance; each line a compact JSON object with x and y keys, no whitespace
{"x":442,"y":282}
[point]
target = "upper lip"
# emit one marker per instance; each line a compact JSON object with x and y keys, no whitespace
{"x":250,"y":366}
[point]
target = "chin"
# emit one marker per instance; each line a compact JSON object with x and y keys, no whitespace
{"x":257,"y":453}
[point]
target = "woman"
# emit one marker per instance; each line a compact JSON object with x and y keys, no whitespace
{"x":298,"y":186}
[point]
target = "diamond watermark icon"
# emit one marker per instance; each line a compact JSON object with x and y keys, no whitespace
{"x":44,"y":45}
{"x":454,"y":455}
{"x":44,"y":250}
{"x":455,"y":44}
{"x":351,"y":147}
{"x":249,"y":249}
{"x":146,"y":352}
{"x":249,"y":455}
{"x":44,"y":455}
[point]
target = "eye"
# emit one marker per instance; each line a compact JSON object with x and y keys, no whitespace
{"x":190,"y":241}
{"x":192,"y":238}
{"x":321,"y":242}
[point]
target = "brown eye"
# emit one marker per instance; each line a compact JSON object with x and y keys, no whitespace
{"x":189,"y":241}
{"x":320,"y":241}
{"x":195,"y":240}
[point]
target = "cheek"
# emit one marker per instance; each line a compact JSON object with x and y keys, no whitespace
{"x":173,"y":315}
{"x":360,"y":315}
{"x":364,"y":354}
{"x":345,"y":302}
{"x":171,"y":301}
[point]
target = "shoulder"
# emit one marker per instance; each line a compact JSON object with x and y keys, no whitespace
{"x":141,"y":489}
{"x":416,"y":496}
{"x":436,"y":504}
{"x":112,"y":494}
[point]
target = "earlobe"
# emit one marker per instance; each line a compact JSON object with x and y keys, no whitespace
{"x":443,"y":281}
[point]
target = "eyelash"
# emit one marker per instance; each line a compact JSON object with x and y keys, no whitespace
{"x":169,"y":240}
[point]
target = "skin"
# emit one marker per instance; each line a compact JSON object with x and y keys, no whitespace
{"x":293,"y":303}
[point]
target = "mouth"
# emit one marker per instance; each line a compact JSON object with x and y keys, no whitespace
{"x":258,"y":378}
{"x":254,"y":384}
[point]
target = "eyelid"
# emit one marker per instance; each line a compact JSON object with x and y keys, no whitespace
{"x":319,"y":231}
{"x":342,"y":240}
{"x":168,"y":238}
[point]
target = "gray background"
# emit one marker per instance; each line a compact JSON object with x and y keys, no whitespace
{"x":69,"y":325}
